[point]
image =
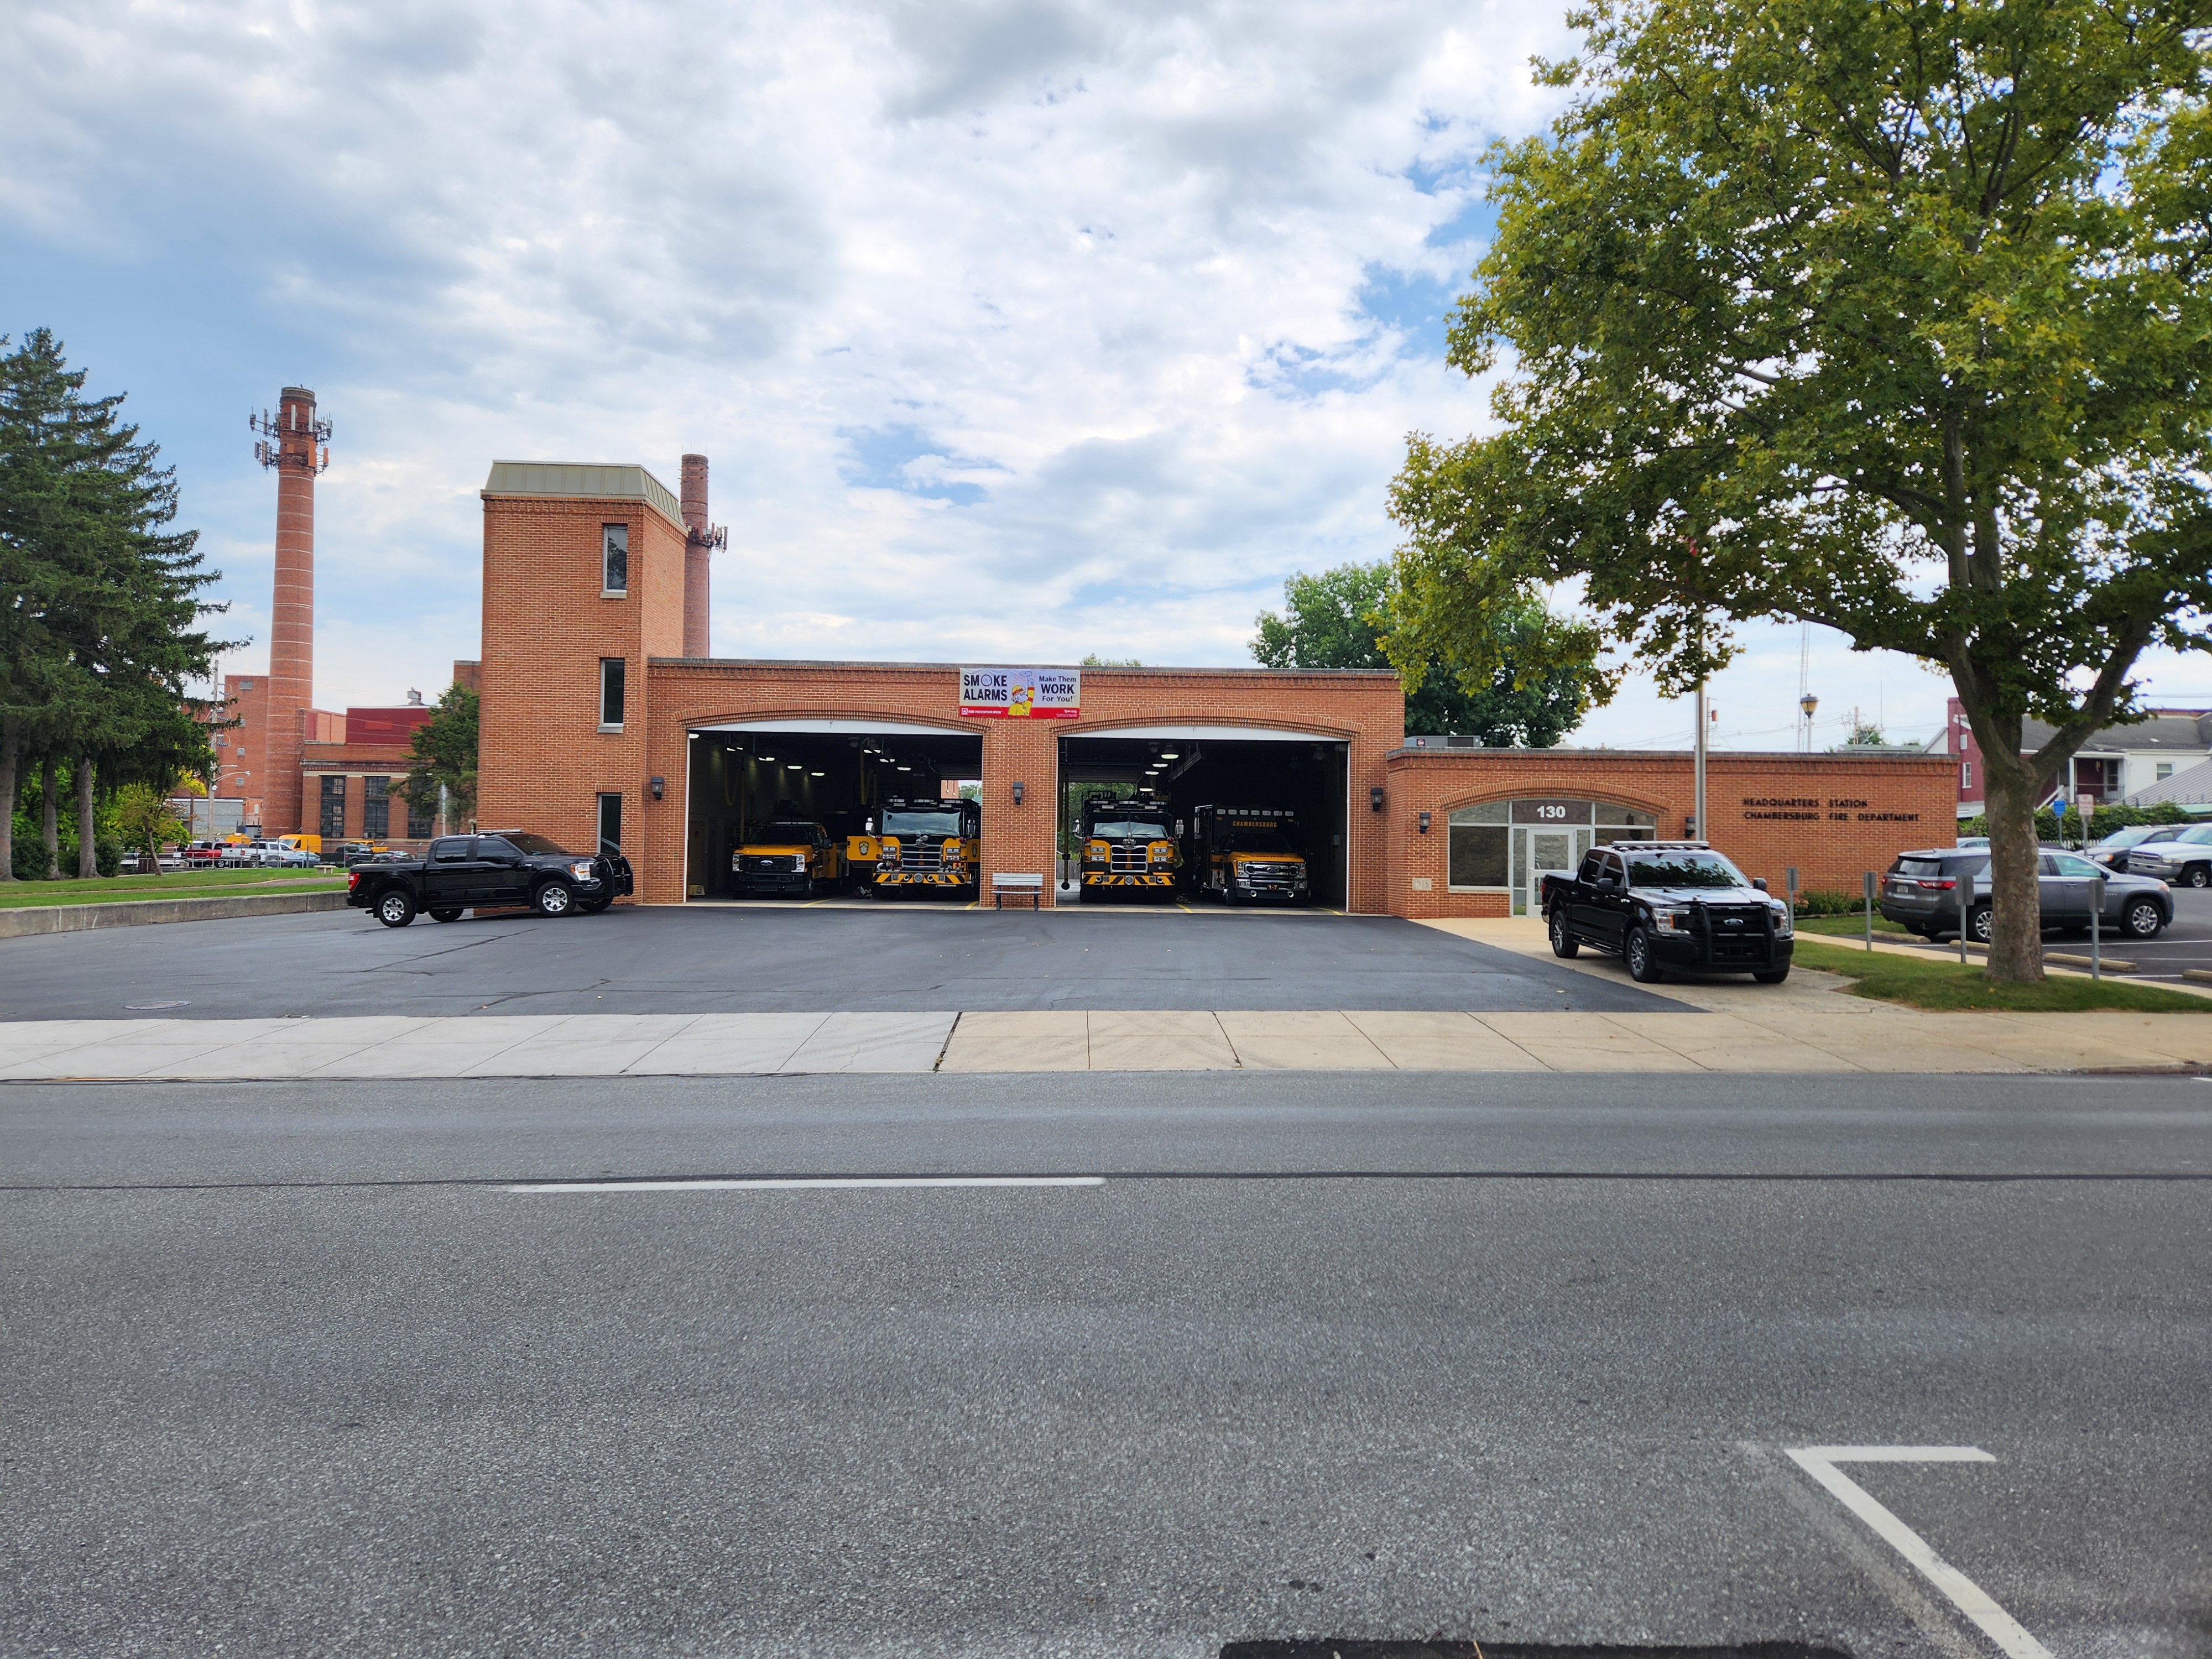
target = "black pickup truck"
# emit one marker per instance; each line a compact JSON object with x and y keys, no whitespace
{"x":491,"y":869}
{"x":1662,"y":904}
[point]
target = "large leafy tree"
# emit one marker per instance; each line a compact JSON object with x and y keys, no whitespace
{"x":105,"y":597}
{"x":445,"y":757}
{"x":1525,"y":691}
{"x":1890,"y":314}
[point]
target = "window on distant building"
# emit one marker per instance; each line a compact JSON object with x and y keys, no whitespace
{"x":610,"y":694}
{"x":334,"y":824}
{"x":614,"y":559}
{"x":376,"y":808}
{"x":1966,"y":774}
{"x":610,"y":820}
{"x":2164,"y":771}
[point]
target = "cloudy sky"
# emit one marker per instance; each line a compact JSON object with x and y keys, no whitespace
{"x":1013,"y":331}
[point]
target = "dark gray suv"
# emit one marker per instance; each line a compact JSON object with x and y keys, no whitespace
{"x":1920,"y":895}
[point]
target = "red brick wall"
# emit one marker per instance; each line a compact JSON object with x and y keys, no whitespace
{"x":1866,"y":810}
{"x":1367,"y":711}
{"x":543,"y":760}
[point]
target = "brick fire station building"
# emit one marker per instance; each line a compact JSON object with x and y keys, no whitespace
{"x":596,"y":722}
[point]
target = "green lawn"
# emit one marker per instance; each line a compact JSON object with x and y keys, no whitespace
{"x":1942,"y":985}
{"x":195,"y":884}
{"x":1850,"y":927}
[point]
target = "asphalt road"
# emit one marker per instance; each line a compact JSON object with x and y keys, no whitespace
{"x":289,"y":1370}
{"x":760,"y":959}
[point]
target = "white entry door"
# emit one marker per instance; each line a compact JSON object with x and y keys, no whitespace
{"x":1539,"y":850}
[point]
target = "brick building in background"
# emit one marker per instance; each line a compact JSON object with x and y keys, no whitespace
{"x":291,"y":767}
{"x":603,"y":719}
{"x":2116,"y":763}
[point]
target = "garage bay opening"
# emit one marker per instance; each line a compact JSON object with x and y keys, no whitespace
{"x":1188,"y":814}
{"x":810,"y":809}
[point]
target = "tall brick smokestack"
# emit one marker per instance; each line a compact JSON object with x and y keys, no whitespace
{"x":294,"y":445}
{"x":698,"y":543}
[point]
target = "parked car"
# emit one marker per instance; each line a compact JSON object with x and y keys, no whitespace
{"x":1662,"y":904}
{"x":297,"y":858}
{"x":1920,"y":895}
{"x":2182,"y":857}
{"x":488,"y":871}
{"x":204,"y":854}
{"x":1971,"y":843}
{"x":2111,"y":852}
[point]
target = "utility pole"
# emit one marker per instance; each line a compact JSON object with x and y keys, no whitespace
{"x":1699,"y":786}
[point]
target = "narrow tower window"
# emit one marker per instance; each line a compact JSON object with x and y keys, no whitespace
{"x":610,"y":694}
{"x":610,"y":821}
{"x":614,"y":558}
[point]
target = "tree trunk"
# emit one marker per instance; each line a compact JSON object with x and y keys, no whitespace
{"x":2009,"y":794}
{"x":87,"y":850}
{"x":11,"y":752}
{"x":49,"y":823}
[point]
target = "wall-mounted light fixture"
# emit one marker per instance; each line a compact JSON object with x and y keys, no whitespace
{"x":1425,"y":823}
{"x":1375,"y":798}
{"x":1019,"y":790}
{"x":660,"y":787}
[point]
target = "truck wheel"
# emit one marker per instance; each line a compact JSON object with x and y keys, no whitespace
{"x":2197,"y":875}
{"x":1643,"y":954}
{"x":1770,"y":975}
{"x":554,"y":899}
{"x":445,"y":915}
{"x":2143,"y":920}
{"x":1563,"y":943}
{"x":395,"y":908}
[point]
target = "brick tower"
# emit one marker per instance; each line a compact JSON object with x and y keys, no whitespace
{"x":700,"y":539}
{"x":296,"y":445}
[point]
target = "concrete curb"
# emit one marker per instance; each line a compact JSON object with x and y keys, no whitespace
{"x":142,"y":913}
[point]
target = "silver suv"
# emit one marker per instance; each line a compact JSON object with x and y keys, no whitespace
{"x":1920,"y":895}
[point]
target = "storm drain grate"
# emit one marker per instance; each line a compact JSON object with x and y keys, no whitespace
{"x":1330,"y":1647}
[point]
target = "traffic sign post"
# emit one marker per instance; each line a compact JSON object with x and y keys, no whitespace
{"x":1868,"y":881}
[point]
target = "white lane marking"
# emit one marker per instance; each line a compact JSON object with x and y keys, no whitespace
{"x":1820,"y":1463}
{"x":808,"y":1183}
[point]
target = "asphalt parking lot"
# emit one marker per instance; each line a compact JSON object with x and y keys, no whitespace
{"x":770,"y":959}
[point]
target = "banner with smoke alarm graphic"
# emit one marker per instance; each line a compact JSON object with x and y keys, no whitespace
{"x":1018,"y":694}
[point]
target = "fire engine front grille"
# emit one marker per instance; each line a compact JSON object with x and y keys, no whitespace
{"x":1131,"y":858}
{"x":921,"y":858}
{"x":1266,"y":875}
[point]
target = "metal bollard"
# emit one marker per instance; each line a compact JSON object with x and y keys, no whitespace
{"x":1868,"y":881}
{"x":2097,"y":930}
{"x":1966,"y":906}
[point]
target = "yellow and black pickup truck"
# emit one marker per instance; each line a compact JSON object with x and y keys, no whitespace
{"x":924,"y":844}
{"x":1249,"y":854}
{"x":1128,"y":849}
{"x":788,"y":856}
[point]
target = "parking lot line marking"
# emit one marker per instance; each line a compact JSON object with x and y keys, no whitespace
{"x":799,"y":1183}
{"x":1820,"y":1463}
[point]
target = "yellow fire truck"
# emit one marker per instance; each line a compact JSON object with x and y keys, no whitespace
{"x":1246,"y":854}
{"x":926,"y":844}
{"x":1128,"y":847}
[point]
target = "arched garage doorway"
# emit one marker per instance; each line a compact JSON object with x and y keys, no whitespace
{"x":1189,"y":766}
{"x":745,"y":774}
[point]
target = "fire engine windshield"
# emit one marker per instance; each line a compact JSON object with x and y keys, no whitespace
{"x":921,"y":821}
{"x":1131,"y":829}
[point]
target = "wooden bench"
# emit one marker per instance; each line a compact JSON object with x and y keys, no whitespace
{"x":1004,"y":887}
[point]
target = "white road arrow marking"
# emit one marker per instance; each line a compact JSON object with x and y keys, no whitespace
{"x":1820,"y":1463}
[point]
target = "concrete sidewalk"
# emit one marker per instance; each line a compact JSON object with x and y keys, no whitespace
{"x":1774,"y":1034}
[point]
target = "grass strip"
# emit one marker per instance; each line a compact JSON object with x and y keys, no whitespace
{"x":1850,"y":927}
{"x":1945,"y":987}
{"x":125,"y":889}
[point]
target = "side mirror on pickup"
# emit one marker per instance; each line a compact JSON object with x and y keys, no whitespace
{"x":1760,"y":882}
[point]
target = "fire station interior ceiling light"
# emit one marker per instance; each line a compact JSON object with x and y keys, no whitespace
{"x":818,"y":775}
{"x":1171,"y":754}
